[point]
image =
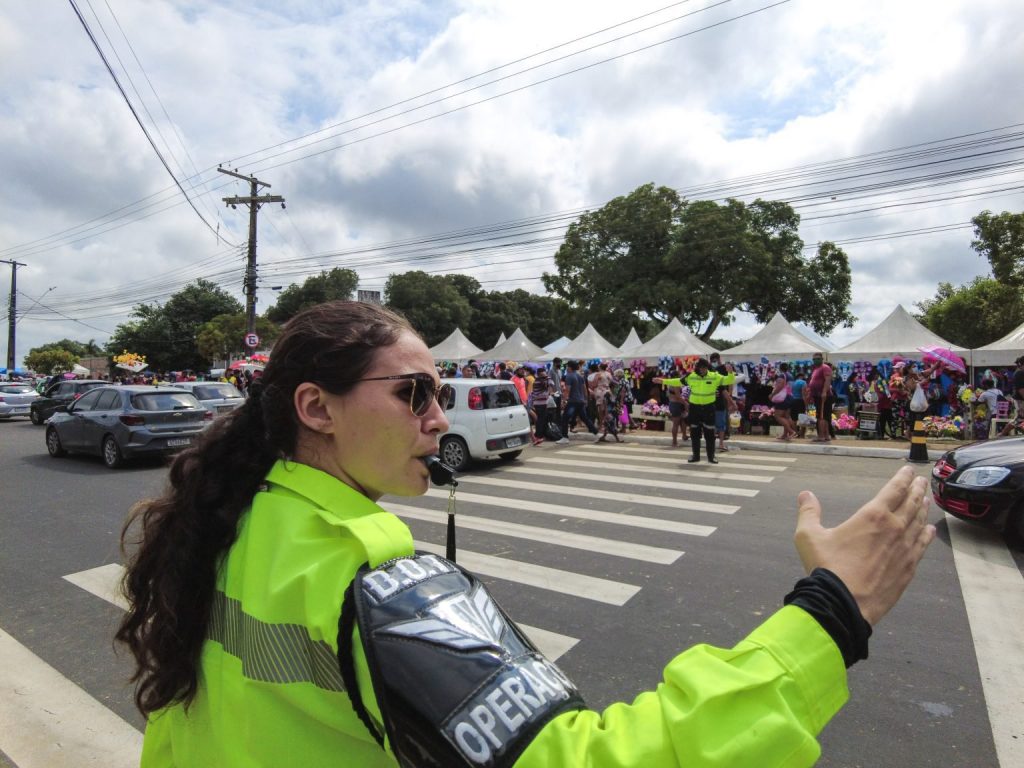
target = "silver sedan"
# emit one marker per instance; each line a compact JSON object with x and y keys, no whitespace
{"x":16,"y":400}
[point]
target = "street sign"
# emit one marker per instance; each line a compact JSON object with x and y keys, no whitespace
{"x":252,"y":340}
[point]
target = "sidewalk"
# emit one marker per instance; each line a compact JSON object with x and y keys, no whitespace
{"x":843,"y":445}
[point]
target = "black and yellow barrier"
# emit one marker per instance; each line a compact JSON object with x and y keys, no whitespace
{"x":918,"y":444}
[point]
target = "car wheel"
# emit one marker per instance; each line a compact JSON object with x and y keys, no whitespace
{"x":511,"y":455}
{"x":53,"y":444}
{"x":35,"y":418}
{"x":455,"y":453}
{"x":112,"y":456}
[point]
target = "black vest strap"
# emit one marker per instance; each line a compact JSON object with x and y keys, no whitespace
{"x":457,"y":682}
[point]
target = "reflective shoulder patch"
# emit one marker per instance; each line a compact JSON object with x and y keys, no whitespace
{"x":457,"y":682}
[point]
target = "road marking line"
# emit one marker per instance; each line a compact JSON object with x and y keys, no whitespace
{"x":49,"y":722}
{"x":679,"y":461}
{"x":615,"y":518}
{"x":560,"y":462}
{"x":993,"y":591}
{"x":662,"y":450}
{"x":104,"y":582}
{"x":722,"y":490}
{"x":590,"y":493}
{"x":546,"y":535}
{"x":552,"y":579}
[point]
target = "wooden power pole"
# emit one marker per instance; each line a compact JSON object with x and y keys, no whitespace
{"x":12,"y":318}
{"x":254,"y":201}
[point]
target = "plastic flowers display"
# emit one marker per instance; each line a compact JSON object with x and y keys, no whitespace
{"x":652,"y":408}
{"x":130,"y":361}
{"x":844,"y":422}
{"x":941,"y":426}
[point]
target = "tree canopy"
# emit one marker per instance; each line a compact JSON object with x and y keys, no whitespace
{"x":223,"y":337}
{"x":166,"y":334}
{"x":77,"y":349}
{"x":327,"y":286}
{"x":50,"y":361}
{"x":1000,"y":239}
{"x":649,"y":253}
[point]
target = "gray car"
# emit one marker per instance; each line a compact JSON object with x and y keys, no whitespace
{"x":217,"y":396}
{"x":118,"y":423}
{"x":16,"y":399}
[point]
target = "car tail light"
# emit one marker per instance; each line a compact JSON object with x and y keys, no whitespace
{"x":943,"y":469}
{"x":208,"y":416}
{"x":77,"y":395}
{"x":2,"y":399}
{"x":476,"y":399}
{"x":132,"y":421}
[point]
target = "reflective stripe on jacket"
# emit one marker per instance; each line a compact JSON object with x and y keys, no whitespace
{"x":703,"y":388}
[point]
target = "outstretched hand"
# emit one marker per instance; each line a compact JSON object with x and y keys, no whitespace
{"x":876,"y":551}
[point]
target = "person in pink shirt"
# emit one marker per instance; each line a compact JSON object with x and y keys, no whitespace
{"x":819,"y":392}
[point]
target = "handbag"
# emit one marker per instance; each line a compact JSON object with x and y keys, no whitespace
{"x":919,"y":402}
{"x":805,"y":420}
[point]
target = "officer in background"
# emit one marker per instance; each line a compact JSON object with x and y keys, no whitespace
{"x":705,"y":386}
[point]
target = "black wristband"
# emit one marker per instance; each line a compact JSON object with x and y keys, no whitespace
{"x":826,"y":598}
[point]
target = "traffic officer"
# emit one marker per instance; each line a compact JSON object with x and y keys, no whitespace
{"x":279,"y":617}
{"x":704,"y":384}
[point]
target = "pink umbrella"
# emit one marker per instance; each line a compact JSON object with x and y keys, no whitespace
{"x":944,"y":355}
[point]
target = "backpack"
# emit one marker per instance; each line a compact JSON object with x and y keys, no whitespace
{"x":554,"y":432}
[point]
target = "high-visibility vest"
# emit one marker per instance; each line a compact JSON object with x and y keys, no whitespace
{"x":270,"y":691}
{"x":703,"y":388}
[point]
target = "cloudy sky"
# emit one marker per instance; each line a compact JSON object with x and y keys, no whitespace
{"x":464,"y":136}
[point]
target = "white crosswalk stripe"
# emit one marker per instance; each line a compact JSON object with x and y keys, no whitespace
{"x":678,"y":459}
{"x":627,"y":498}
{"x":552,"y":536}
{"x":624,"y":479}
{"x":562,"y":460}
{"x":615,"y":518}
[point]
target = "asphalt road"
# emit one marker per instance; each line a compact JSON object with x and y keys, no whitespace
{"x":611,"y":599}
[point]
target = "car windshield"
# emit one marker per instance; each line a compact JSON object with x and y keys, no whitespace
{"x":16,"y":390}
{"x":216,"y":392}
{"x":164,"y":401}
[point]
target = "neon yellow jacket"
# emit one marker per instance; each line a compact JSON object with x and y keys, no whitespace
{"x":269,"y":695}
{"x":702,"y":388}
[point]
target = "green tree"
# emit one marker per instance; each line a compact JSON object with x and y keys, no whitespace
{"x":650,"y":255}
{"x":76,"y":348}
{"x":327,"y":286}
{"x":223,"y":337}
{"x":166,"y":335}
{"x":1000,"y":239}
{"x":432,"y":303}
{"x":612,"y":262}
{"x":50,"y":361}
{"x":975,"y":314}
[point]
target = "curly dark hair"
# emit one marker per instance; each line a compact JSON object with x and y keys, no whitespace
{"x":185,"y":533}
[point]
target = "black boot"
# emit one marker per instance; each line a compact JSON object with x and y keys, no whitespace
{"x":709,"y":438}
{"x":693,"y":460}
{"x":695,"y":442}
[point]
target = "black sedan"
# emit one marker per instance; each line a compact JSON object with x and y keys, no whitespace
{"x":118,"y":423}
{"x":983,"y":483}
{"x":61,"y":393}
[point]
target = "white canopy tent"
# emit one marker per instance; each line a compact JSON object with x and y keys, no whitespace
{"x":815,"y":338}
{"x":517,"y":348}
{"x":557,"y":345}
{"x":778,"y":340}
{"x":501,"y":339}
{"x":675,"y":340}
{"x":455,"y":347}
{"x":588,"y":345}
{"x":632,"y":340}
{"x":898,"y":334}
{"x":1004,"y":351}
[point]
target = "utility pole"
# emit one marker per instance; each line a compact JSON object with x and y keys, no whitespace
{"x":11,"y":318}
{"x":254,"y":201}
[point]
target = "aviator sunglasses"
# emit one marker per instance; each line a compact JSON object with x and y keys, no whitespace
{"x":422,"y":392}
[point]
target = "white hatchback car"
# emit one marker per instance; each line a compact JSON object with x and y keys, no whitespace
{"x":487,"y":419}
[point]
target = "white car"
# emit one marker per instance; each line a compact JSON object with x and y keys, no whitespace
{"x":487,"y":419}
{"x":215,"y":396}
{"x":16,"y":399}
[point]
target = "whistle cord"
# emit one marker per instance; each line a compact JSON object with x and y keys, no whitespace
{"x":450,"y":550}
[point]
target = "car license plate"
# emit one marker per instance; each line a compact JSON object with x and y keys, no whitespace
{"x":513,"y":442}
{"x":21,"y":409}
{"x":176,"y":442}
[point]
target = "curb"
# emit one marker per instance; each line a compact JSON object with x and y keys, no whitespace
{"x":831,"y":449}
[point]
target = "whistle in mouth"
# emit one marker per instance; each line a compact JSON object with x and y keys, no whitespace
{"x":440,"y":473}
